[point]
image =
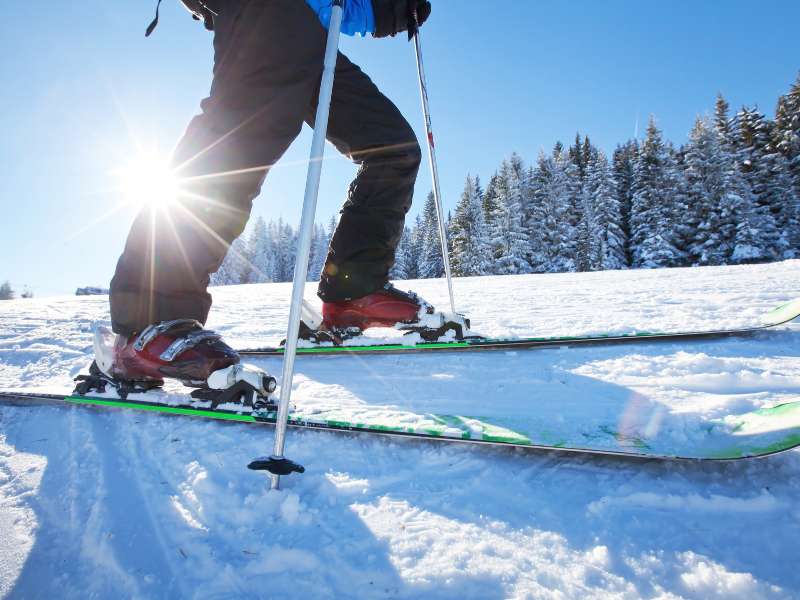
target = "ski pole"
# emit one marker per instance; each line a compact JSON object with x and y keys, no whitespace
{"x":437,"y":194}
{"x":276,"y":464}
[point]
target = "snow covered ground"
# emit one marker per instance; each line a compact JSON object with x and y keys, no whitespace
{"x":108,"y":504}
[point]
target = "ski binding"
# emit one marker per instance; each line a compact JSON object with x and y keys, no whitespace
{"x":237,"y":384}
{"x":431,"y":327}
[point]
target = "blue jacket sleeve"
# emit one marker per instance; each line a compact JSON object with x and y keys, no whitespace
{"x":358,"y":17}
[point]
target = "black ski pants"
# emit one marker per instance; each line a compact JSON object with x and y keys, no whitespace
{"x":268,"y":60}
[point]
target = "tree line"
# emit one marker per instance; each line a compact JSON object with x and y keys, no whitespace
{"x":727,"y":196}
{"x":730,"y":195}
{"x":267,"y":253}
{"x":7,"y":292}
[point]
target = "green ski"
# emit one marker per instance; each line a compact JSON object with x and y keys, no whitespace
{"x":359,"y":345}
{"x":750,"y":435}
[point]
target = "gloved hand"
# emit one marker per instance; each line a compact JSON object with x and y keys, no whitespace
{"x":394,"y":16}
{"x":200,"y":12}
{"x":357,"y":18}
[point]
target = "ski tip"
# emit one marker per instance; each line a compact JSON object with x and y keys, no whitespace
{"x":783,"y":314}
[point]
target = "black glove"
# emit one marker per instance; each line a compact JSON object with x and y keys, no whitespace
{"x":200,"y":12}
{"x":394,"y":16}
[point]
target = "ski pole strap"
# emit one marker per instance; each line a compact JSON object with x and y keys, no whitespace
{"x":200,"y":12}
{"x":153,"y":23}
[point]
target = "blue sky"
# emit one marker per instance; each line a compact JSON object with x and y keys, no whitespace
{"x":82,"y":89}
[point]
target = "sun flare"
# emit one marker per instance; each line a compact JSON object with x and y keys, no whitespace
{"x":149,"y":182}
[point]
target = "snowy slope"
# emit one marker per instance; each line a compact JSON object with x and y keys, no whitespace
{"x":108,"y":504}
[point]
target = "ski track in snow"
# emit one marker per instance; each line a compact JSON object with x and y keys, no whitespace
{"x":107,"y":504}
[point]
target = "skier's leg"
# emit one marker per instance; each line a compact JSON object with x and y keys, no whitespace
{"x":367,"y":127}
{"x":267,"y":63}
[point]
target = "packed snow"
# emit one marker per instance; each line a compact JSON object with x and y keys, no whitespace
{"x":106,"y":503}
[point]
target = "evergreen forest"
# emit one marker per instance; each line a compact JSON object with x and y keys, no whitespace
{"x":729,"y":195}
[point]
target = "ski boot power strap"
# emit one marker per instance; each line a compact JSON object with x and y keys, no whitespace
{"x":197,"y":335}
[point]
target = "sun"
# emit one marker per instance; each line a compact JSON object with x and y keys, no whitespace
{"x":148,"y":182}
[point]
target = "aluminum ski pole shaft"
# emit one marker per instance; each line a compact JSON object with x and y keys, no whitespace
{"x":437,"y":193}
{"x":306,"y":229}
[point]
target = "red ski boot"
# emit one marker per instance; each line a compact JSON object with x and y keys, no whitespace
{"x":389,"y":307}
{"x":385,"y":307}
{"x":179,"y":349}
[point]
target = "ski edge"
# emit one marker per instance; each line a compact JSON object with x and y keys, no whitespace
{"x":517,"y":441}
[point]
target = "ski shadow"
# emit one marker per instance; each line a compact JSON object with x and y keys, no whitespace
{"x":107,"y":527}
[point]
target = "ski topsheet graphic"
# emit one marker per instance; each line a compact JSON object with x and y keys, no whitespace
{"x":366,"y":345}
{"x":752,"y":434}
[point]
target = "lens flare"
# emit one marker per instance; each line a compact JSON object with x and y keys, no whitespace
{"x":148,"y":182}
